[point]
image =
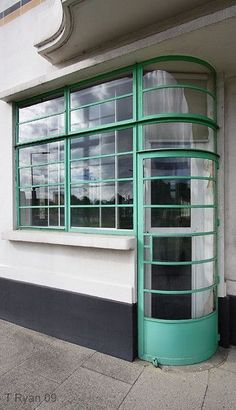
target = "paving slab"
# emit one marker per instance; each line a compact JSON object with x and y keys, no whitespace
{"x":156,"y":389}
{"x":221,"y":391}
{"x":57,"y":360}
{"x":16,"y":346}
{"x":86,"y":389}
{"x":20,"y":389}
{"x":230,"y":363}
{"x":116,"y":368}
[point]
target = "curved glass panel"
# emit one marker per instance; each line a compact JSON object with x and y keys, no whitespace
{"x":177,"y":72}
{"x":192,"y":167}
{"x":177,"y":307}
{"x":178,"y":135}
{"x":178,"y":277}
{"x":178,"y":101}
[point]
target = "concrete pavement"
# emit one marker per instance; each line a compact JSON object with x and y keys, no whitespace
{"x":38,"y":371}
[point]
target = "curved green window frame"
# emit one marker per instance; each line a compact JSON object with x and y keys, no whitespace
{"x":111,"y":102}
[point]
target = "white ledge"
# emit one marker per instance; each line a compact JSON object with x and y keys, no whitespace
{"x":117,"y":242}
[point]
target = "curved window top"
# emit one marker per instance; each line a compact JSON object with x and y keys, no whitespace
{"x":177,"y":73}
{"x":178,"y":86}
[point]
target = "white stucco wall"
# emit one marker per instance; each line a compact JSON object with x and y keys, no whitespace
{"x":98,"y":272}
{"x":17,"y":38}
{"x":105,"y":273}
{"x":230,"y":191}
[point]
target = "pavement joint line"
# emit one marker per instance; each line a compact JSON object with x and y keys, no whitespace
{"x":111,"y":377}
{"x":56,"y":381}
{"x":57,"y":387}
{"x":17,"y":365}
{"x":226,"y":370}
{"x":42,"y":375}
{"x":122,"y":401}
{"x":204,"y":397}
{"x":88,"y":358}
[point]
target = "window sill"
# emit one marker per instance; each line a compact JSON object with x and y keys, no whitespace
{"x":124,"y":243}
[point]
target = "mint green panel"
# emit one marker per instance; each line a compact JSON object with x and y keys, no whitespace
{"x":180,"y":342}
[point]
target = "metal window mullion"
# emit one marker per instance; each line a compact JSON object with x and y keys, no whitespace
{"x":180,"y":206}
{"x":41,"y":164}
{"x":184,"y":263}
{"x":180,"y":292}
{"x":101,"y":156}
{"x":187,"y":86}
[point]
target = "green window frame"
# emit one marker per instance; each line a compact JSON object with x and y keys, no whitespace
{"x":55,"y":123}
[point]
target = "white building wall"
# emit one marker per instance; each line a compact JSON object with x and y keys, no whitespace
{"x":98,"y":272}
{"x":230,"y":191}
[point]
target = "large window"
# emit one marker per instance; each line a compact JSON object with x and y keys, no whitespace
{"x":76,"y":147}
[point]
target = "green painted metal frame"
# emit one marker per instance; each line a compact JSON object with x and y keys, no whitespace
{"x":136,"y":122}
{"x":141,"y":260}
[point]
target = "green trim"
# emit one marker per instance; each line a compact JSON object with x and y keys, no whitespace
{"x":118,"y":154}
{"x":103,"y":206}
{"x":180,"y":292}
{"x":176,"y":177}
{"x":173,"y":234}
{"x":98,"y":181}
{"x":179,"y":206}
{"x":181,"y":321}
{"x":41,"y":164}
{"x":180,"y":85}
{"x":179,"y":57}
{"x":28,"y":187}
{"x":185,"y":263}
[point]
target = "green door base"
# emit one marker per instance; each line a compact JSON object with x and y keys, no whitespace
{"x":180,"y":342}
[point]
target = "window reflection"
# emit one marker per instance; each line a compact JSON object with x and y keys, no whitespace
{"x":100,"y":92}
{"x":41,"y":109}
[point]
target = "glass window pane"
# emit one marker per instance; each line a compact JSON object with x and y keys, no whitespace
{"x":178,"y":135}
{"x":179,"y":277}
{"x":41,"y":109}
{"x":125,"y":218}
{"x":42,"y":217}
{"x":177,"y":72}
{"x":87,"y":194}
{"x":108,"y":193}
{"x":108,"y":143}
{"x":88,"y":146}
{"x":170,"y":307}
{"x":174,"y":277}
{"x":50,"y":174}
{"x":168,"y":217}
{"x":42,"y":196}
{"x":172,"y":249}
{"x":198,"y":219}
{"x":102,"y":114}
{"x":168,"y":192}
{"x":100,"y":92}
{"x":197,"y":167}
{"x":183,"y":249}
{"x":44,"y":128}
{"x":85,"y":217}
{"x":108,"y":218}
{"x":125,"y":166}
{"x":125,"y":140}
{"x":125,"y":192}
{"x":87,"y":170}
{"x":108,"y":168}
{"x":177,"y":307}
{"x":40,"y":154}
{"x":178,"y":100}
